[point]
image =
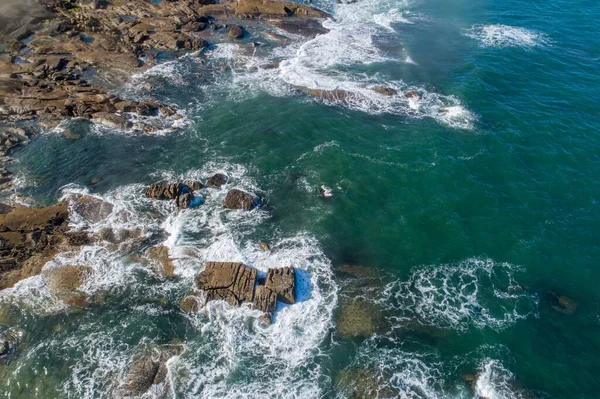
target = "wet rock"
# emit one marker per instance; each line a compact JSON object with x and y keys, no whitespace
{"x":386,"y":91}
{"x":357,"y":318}
{"x":66,"y":278}
{"x":190,"y":304}
{"x":412,"y":94}
{"x":92,"y":209}
{"x":329,"y":95}
{"x":181,"y":193}
{"x":9,"y":340}
{"x":264,"y":246}
{"x":235,"y":32}
{"x":141,"y":374}
{"x":161,"y":254}
{"x":11,"y":138}
{"x":218,"y":180}
{"x":194,"y":185}
{"x":184,"y":201}
{"x":229,"y":281}
{"x":148,"y":370}
{"x":282,"y":281}
{"x":238,"y":199}
{"x":29,"y":237}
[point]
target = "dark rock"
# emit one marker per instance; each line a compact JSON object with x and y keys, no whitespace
{"x":238,"y":199}
{"x":412,"y":94}
{"x":218,"y":180}
{"x":235,"y":32}
{"x":282,"y":281}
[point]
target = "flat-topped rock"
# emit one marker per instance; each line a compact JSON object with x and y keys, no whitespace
{"x":235,"y":283}
{"x":229,"y":281}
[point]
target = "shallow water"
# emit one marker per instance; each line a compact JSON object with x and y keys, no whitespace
{"x":471,"y":206}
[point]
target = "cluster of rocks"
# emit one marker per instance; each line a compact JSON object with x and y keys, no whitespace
{"x":183,"y":194}
{"x":30,"y":237}
{"x":345,"y":96}
{"x":237,"y":283}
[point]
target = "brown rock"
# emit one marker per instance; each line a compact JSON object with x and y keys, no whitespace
{"x":183,"y":201}
{"x":235,"y":32}
{"x":66,"y":278}
{"x":282,"y":281}
{"x":238,"y":199}
{"x":189,"y":304}
{"x":357,"y":318}
{"x":229,"y":281}
{"x":161,"y":254}
{"x":386,"y":91}
{"x":412,"y":94}
{"x":264,"y":299}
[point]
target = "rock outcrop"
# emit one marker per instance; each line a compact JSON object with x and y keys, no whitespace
{"x":30,"y":237}
{"x":65,"y":283}
{"x":182,"y":193}
{"x":238,"y":199}
{"x":236,"y":283}
{"x":91,"y":209}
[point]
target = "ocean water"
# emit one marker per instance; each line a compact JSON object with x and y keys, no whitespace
{"x":470,"y":209}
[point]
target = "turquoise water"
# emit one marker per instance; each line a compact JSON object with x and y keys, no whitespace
{"x":474,"y":207}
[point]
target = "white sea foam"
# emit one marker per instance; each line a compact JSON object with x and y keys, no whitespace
{"x":475,"y":292}
{"x":494,"y":381}
{"x":324,"y":63}
{"x":505,"y":36}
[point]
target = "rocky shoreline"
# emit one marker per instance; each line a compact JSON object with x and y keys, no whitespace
{"x":66,"y":62}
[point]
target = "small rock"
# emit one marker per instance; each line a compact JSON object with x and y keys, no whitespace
{"x":386,"y":91}
{"x":325,"y":192}
{"x":264,"y":246}
{"x":218,"y":180}
{"x":412,"y":94}
{"x":235,"y":32}
{"x":95,"y":180}
{"x":189,"y":304}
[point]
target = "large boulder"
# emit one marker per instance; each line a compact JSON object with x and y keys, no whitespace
{"x":161,"y":255}
{"x":232,"y":282}
{"x":238,"y":199}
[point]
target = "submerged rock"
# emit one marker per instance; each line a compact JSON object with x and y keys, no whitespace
{"x":364,"y":384}
{"x":9,"y":340}
{"x":357,"y":318}
{"x":65,"y":283}
{"x":238,"y":199}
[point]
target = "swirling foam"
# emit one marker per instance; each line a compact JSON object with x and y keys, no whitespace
{"x":475,"y":292}
{"x":505,"y":36}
